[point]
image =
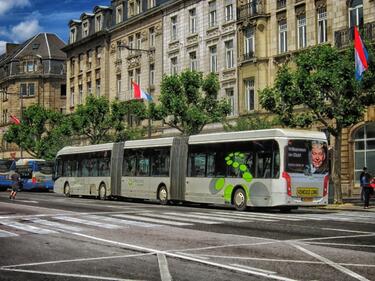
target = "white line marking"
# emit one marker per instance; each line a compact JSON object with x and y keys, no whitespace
{"x":4,"y":233}
{"x":126,"y":223}
{"x":259,"y":216}
{"x":28,"y":201}
{"x":331,"y":263}
{"x":55,"y":224}
{"x":332,"y":237}
{"x":67,"y":274}
{"x":91,"y":223}
{"x":341,"y":244}
{"x":347,"y":230}
{"x":255,"y":269}
{"x":152,"y":220}
{"x":27,"y":228}
{"x":163,"y":266}
{"x":196,"y":215}
{"x":168,"y":217}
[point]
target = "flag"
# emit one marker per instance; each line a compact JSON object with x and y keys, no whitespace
{"x":360,"y":55}
{"x":15,"y":120}
{"x":139,"y":94}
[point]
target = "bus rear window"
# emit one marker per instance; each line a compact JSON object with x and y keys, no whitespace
{"x":5,"y":165}
{"x":46,"y":168}
{"x":306,"y":156}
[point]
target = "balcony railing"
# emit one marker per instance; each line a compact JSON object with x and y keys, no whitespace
{"x":281,"y":4}
{"x":251,"y":9}
{"x":248,"y":56}
{"x":344,"y":37}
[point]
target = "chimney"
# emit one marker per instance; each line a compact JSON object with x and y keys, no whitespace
{"x":10,"y":47}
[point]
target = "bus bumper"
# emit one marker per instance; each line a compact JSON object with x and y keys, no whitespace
{"x":307,"y":201}
{"x":42,"y":186}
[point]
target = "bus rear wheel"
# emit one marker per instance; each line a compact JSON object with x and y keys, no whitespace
{"x":102,"y":192}
{"x":67,"y":190}
{"x":163,"y":195}
{"x":239,"y":200}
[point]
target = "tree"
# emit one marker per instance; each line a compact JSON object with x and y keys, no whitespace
{"x":41,"y":133}
{"x":188,"y":102}
{"x":101,"y":121}
{"x":253,"y":121}
{"x":320,"y":87}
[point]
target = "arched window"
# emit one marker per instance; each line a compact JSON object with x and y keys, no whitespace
{"x":356,"y":13}
{"x":364,"y":149}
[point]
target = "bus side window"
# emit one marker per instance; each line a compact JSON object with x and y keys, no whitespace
{"x":197,"y":164}
{"x":130,"y":159}
{"x":143,"y":163}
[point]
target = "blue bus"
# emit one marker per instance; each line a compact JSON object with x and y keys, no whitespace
{"x":7,"y":168}
{"x":35,"y":174}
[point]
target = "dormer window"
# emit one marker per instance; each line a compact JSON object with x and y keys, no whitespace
{"x":131,"y":8}
{"x":73,"y":35}
{"x":85,"y":29}
{"x":151,"y":4}
{"x":98,"y":23}
{"x":138,"y":6}
{"x":119,"y":14}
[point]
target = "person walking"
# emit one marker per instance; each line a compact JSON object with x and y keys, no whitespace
{"x":15,"y":185}
{"x":364,"y":171}
{"x":367,"y":189}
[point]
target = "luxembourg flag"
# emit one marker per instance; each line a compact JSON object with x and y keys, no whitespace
{"x":360,"y":55}
{"x":139,"y":94}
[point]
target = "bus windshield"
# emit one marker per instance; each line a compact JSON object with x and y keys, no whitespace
{"x":46,"y":167}
{"x":306,"y":156}
{"x":6,"y":165}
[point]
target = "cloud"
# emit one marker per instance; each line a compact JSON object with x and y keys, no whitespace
{"x":24,"y":30}
{"x":2,"y":47}
{"x":6,"y":5}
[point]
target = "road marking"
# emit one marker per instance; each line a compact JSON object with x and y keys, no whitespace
{"x":87,"y":222}
{"x":27,"y":228}
{"x":152,"y":220}
{"x":196,"y":215}
{"x":259,"y":216}
{"x":122,"y":221}
{"x":66,"y":274}
{"x":28,"y":201}
{"x":181,"y":219}
{"x":55,"y":224}
{"x":331,"y":263}
{"x":347,"y":230}
{"x":341,"y":244}
{"x":4,"y":233}
{"x":163,"y":266}
{"x":255,"y":269}
{"x":332,"y":237}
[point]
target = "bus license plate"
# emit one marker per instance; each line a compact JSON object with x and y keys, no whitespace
{"x":307,"y":192}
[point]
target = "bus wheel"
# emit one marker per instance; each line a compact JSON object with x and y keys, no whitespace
{"x":67,"y":190}
{"x":239,"y":200}
{"x":102,"y":192}
{"x":163,"y":195}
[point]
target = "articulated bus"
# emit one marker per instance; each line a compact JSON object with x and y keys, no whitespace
{"x":265,"y":168}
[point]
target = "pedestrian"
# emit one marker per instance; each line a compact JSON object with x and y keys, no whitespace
{"x":364,"y":171}
{"x":367,"y":189}
{"x":15,"y":185}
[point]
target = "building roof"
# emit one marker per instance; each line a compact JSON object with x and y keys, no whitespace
{"x":99,"y":7}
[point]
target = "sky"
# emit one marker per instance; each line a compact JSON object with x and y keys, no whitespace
{"x":21,"y":19}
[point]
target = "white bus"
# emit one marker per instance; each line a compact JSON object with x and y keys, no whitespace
{"x":265,"y":168}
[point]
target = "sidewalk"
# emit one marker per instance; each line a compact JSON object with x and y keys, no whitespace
{"x":351,"y":204}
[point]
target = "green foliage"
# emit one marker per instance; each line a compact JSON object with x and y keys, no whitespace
{"x":42,"y":132}
{"x":188,"y":102}
{"x":251,"y":122}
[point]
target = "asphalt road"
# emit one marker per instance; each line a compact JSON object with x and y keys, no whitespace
{"x":44,"y":236}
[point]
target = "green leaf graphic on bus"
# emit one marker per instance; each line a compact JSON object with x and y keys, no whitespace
{"x":237,"y":161}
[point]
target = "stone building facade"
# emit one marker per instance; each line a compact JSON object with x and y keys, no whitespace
{"x":271,"y":32}
{"x":31,"y":73}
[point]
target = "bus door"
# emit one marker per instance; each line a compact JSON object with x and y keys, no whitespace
{"x":178,"y":169}
{"x":116,"y":168}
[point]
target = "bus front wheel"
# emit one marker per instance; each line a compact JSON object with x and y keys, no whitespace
{"x":67,"y":190}
{"x":239,"y":200}
{"x":102,"y":192}
{"x":163,"y":195}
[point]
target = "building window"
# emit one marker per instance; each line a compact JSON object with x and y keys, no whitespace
{"x":138,"y":6}
{"x":98,"y":56}
{"x":118,"y":84}
{"x":80,"y":63}
{"x":72,"y":97}
{"x":98,"y":23}
{"x":174,"y":66}
{"x":130,"y":80}
{"x":230,"y":97}
{"x":138,"y":76}
{"x":131,"y":43}
{"x":131,"y":10}
{"x":249,"y":94}
{"x":280,"y":4}
{"x":80,"y":94}
{"x":229,"y":12}
{"x":151,"y":4}
{"x":356,"y":13}
{"x":151,"y":38}
{"x":249,"y":43}
{"x":23,"y":89}
{"x":364,"y":149}
{"x":301,"y":31}
{"x":31,"y":66}
{"x":213,"y":59}
{"x":85,"y":29}
{"x":283,"y":29}
{"x":212,"y":14}
{"x":193,"y":20}
{"x":5,"y":115}
{"x":73,"y":35}
{"x":27,"y":89}
{"x":89,"y":59}
{"x":119,"y":51}
{"x":229,"y":54}
{"x":174,"y":28}
{"x":30,"y":89}
{"x":152,"y":75}
{"x":322,"y":25}
{"x":89,"y":88}
{"x":193,"y":61}
{"x":119,"y":13}
{"x":138,"y":41}
{"x":63,"y":90}
{"x":97,"y":91}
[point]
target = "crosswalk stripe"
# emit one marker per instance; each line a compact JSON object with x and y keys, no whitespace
{"x":122,"y":221}
{"x":152,"y":220}
{"x":27,"y":228}
{"x":196,"y":215}
{"x":4,"y":233}
{"x":87,"y":222}
{"x":169,"y":217}
{"x":250,"y":218}
{"x":56,"y":225}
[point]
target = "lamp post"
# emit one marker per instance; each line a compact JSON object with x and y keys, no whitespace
{"x":148,"y":51}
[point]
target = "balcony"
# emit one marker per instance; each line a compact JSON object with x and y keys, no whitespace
{"x":248,"y":56}
{"x":252,"y":9}
{"x":344,"y":37}
{"x":280,"y":4}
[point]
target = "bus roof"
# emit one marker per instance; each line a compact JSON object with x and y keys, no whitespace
{"x":85,"y":149}
{"x":257,"y":134}
{"x":149,"y":143}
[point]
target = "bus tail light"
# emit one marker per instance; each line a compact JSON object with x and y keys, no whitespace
{"x":33,"y":180}
{"x":325,"y":185}
{"x":288,"y":183}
